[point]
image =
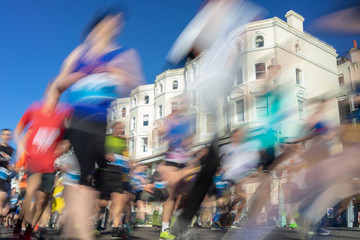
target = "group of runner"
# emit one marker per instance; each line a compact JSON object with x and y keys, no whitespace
{"x":94,"y":176}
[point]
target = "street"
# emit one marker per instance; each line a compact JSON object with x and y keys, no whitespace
{"x":206,"y":233}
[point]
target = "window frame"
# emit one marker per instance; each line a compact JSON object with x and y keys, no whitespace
{"x":242,"y":76}
{"x":343,"y":79}
{"x":146,"y":99}
{"x":301,"y":82}
{"x":133,"y":123}
{"x":237,"y":120}
{"x":301,"y":102}
{"x":256,"y":41}
{"x":146,"y":120}
{"x":160,"y":111}
{"x":257,"y":108}
{"x":175,"y":83}
{"x":145,"y":144}
{"x":256,"y":72}
{"x":212,"y":124}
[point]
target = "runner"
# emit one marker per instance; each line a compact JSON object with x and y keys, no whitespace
{"x":45,"y":130}
{"x":5,"y":166}
{"x":139,"y":181}
{"x":97,"y":72}
{"x":176,"y":129}
{"x":20,"y":169}
{"x":14,"y":205}
{"x":110,"y":179}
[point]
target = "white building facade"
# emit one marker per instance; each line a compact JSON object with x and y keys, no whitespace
{"x":304,"y":63}
{"x":348,"y":79}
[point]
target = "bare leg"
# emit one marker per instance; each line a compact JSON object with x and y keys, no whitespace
{"x":34,"y":182}
{"x":117,"y":207}
{"x":3,"y":210}
{"x":41,"y":202}
{"x":79,"y":199}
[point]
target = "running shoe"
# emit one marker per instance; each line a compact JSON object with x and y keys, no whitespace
{"x":216,"y":226}
{"x":27,"y":234}
{"x":166,"y":235}
{"x":294,"y":225}
{"x":128,"y":228}
{"x":118,"y":233}
{"x":17,"y":228}
{"x":323,"y":232}
{"x":236,"y":225}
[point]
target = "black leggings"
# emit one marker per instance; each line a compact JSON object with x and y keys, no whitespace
{"x":88,"y":141}
{"x":202,"y":183}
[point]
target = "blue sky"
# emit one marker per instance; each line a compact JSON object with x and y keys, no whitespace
{"x":37,"y":35}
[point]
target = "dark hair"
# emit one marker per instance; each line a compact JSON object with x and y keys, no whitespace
{"x":5,"y":129}
{"x":101,"y":15}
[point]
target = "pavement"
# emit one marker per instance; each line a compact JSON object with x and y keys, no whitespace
{"x":151,"y":233}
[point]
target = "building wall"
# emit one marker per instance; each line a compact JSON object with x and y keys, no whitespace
{"x":286,"y":45}
{"x":349,"y":72}
{"x":140,"y":148}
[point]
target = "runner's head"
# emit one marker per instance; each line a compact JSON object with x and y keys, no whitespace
{"x":5,"y":135}
{"x":237,"y":135}
{"x":117,"y":129}
{"x":105,"y":25}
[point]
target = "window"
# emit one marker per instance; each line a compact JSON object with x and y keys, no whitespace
{"x":299,"y":78}
{"x":133,"y":102}
{"x":122,"y":132}
{"x":210,"y":124}
{"x":301,"y":108}
{"x":341,"y":80}
{"x":160,"y":88}
{"x":160,"y":111}
{"x":239,"y":46}
{"x":175,"y":85}
{"x":133,"y":123}
{"x":132,"y":145}
{"x":259,"y":41}
{"x":239,"y":110}
{"x":144,"y":144}
{"x":193,"y":124}
{"x":262,"y":107}
{"x":123,"y":112}
{"x":146,"y":120}
{"x":239,"y":76}
{"x":260,"y":71}
{"x":174,"y":106}
{"x":146,"y":99}
{"x":113,"y":113}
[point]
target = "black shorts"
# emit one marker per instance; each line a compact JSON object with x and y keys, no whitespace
{"x":4,"y":185}
{"x":12,"y":210}
{"x":138,"y":196}
{"x":22,"y":193}
{"x":47,"y":182}
{"x":88,"y":140}
{"x":128,"y":187}
{"x":108,"y":182}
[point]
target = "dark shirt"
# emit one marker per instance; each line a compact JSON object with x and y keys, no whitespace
{"x":5,"y":155}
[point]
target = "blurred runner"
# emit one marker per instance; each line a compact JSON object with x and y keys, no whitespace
{"x":97,"y":72}
{"x":5,"y":166}
{"x":45,"y":130}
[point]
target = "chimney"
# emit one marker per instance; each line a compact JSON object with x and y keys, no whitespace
{"x":355,"y":53}
{"x":295,"y":20}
